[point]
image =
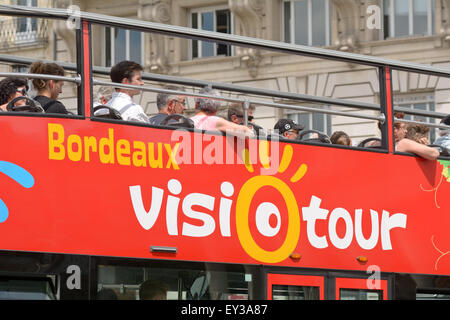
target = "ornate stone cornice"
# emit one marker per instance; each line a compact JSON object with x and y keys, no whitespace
{"x":348,"y":24}
{"x":156,"y":45}
{"x":445,"y":22}
{"x":248,"y":22}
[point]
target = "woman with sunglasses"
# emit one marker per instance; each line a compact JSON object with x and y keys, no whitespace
{"x":48,"y":90}
{"x":11,"y":88}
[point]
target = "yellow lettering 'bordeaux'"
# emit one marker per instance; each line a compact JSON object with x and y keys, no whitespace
{"x":109,"y":151}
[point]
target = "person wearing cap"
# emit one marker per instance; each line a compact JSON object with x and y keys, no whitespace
{"x":205,"y":117}
{"x":444,"y":139}
{"x":288,"y":128}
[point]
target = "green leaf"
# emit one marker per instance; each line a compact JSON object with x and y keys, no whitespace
{"x":446,"y":169}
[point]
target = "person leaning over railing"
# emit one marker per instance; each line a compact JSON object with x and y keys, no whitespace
{"x":129,"y":73}
{"x":206,"y":119}
{"x":48,"y":90}
{"x":416,"y":141}
{"x":11,"y":88}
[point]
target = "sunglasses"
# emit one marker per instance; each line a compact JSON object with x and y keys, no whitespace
{"x":182,"y":102}
{"x":23,"y":91}
{"x":250,"y":118}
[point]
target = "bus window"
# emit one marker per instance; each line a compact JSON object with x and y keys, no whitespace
{"x":285,"y":292}
{"x":359,"y":289}
{"x":294,"y":287}
{"x":26,"y":288}
{"x":360,"y":294}
{"x":210,"y":282}
{"x":432,"y":296}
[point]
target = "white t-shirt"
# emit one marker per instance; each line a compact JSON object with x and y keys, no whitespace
{"x":129,"y":110}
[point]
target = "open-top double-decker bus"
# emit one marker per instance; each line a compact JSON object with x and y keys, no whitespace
{"x":94,"y":205}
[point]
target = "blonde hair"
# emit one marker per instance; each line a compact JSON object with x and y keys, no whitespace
{"x":40,"y":67}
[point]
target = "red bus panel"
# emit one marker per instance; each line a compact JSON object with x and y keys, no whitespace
{"x":117,"y":190}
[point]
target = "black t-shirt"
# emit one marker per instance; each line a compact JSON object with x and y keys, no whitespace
{"x":160,"y":117}
{"x":50,"y":105}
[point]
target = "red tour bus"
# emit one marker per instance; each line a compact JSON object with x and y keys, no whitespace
{"x":94,"y":207}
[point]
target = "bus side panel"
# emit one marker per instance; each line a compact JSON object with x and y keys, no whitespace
{"x":130,"y":191}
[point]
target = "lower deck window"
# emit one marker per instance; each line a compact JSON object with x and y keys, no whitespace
{"x":26,"y":289}
{"x":360,"y":294}
{"x":209,"y":282}
{"x":284,"y":292}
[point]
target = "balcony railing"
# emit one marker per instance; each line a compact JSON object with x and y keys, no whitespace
{"x":22,"y":32}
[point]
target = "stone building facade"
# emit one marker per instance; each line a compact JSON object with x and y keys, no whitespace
{"x":407,"y":30}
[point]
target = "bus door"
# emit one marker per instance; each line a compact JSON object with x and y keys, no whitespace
{"x":361,"y":289}
{"x":295,"y":287}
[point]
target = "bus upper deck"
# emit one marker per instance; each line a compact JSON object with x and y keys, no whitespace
{"x":101,"y":202}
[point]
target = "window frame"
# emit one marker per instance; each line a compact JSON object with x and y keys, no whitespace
{"x":30,"y":34}
{"x":199,"y":11}
{"x":255,"y":273}
{"x":127,"y":46}
{"x":431,"y":12}
{"x":310,"y":33}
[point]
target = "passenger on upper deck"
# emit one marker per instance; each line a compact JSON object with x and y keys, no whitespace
{"x":129,"y":73}
{"x":48,"y":90}
{"x":206,"y":119}
{"x":444,"y":139}
{"x":340,"y":137}
{"x":168,"y":104}
{"x":416,"y":141}
{"x":11,"y":88}
{"x":236,"y":114}
{"x":288,"y":128}
{"x":399,"y":127}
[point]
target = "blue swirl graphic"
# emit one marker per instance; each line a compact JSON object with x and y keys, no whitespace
{"x":18,"y":174}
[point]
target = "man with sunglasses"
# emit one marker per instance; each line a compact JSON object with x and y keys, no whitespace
{"x":168,"y":104}
{"x":11,"y":88}
{"x":236,"y":114}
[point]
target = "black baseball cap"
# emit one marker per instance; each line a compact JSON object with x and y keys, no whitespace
{"x":284,"y":125}
{"x":446,"y":120}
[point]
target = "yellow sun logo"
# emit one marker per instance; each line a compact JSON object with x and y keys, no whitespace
{"x":247,"y":193}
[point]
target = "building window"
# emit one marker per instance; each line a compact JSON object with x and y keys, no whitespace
{"x":408,"y":17}
{"x":307,"y":22}
{"x":217,"y":20}
{"x":26,"y":28}
{"x":121,"y":44}
{"x":423,"y":102}
{"x":313,"y":121}
{"x":19,"y":68}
